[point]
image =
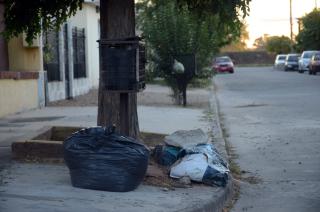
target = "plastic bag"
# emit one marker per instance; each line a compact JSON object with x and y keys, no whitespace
{"x":193,"y":166}
{"x":202,"y":164}
{"x":101,"y":159}
{"x":167,"y":155}
{"x":211,"y":152}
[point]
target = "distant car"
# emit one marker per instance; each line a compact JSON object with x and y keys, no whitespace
{"x":223,"y":64}
{"x":280,"y":61}
{"x":291,"y":63}
{"x":315,"y":64}
{"x":304,"y":61}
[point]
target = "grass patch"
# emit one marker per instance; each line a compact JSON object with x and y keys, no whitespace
{"x":200,"y":83}
{"x":235,"y":169}
{"x":195,"y":83}
{"x":152,"y":139}
{"x":157,"y":81}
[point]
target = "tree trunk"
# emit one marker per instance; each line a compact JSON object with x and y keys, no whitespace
{"x":117,"y":20}
{"x":184,"y":96}
{"x":4,"y":62}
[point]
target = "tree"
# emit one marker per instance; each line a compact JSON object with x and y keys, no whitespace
{"x":33,"y":16}
{"x":309,"y":36}
{"x":240,"y":43}
{"x":279,"y":44}
{"x":260,"y":42}
{"x":182,"y":32}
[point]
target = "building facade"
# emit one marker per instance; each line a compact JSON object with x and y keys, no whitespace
{"x":58,"y":65}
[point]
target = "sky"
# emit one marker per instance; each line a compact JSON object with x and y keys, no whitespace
{"x":272,"y":16}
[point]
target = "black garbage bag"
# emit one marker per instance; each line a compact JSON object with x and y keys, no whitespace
{"x":100,"y":159}
{"x":213,"y":176}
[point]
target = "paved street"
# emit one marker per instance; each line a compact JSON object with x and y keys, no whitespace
{"x":272,"y":119}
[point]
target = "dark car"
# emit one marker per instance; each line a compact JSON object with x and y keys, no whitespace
{"x":223,"y":64}
{"x":292,"y":62}
{"x":315,"y":64}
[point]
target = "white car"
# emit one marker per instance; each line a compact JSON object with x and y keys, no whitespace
{"x":280,"y":61}
{"x":304,"y":61}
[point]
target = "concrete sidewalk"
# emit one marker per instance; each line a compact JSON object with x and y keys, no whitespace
{"x":163,"y":120}
{"x":47,"y":187}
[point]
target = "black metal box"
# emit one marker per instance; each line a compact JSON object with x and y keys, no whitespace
{"x":189,"y":63}
{"x":122,"y":65}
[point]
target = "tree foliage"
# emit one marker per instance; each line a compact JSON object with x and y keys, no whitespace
{"x":240,"y":43}
{"x":34,"y":16}
{"x":309,"y":36}
{"x":279,"y":44}
{"x":227,"y":10}
{"x":260,"y":42}
{"x":172,"y":29}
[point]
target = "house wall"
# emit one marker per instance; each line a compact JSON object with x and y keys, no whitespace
{"x":18,"y":92}
{"x":23,"y":58}
{"x":22,"y":84}
{"x":93,"y":36}
{"x":86,"y":18}
{"x":81,"y":85}
{"x":56,"y":90}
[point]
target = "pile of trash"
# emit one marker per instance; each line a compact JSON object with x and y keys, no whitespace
{"x":99,"y":158}
{"x":191,"y":154}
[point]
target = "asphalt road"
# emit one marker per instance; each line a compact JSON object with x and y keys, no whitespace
{"x":272,"y":119}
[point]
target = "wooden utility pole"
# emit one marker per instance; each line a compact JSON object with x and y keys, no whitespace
{"x":117,"y":22}
{"x":291,"y":22}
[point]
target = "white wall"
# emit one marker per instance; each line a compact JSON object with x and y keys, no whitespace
{"x":93,"y":47}
{"x":88,"y":18}
{"x":56,"y":91}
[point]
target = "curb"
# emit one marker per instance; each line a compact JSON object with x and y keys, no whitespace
{"x":218,"y":203}
{"x":218,"y":136}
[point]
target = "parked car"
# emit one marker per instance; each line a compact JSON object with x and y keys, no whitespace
{"x":315,"y":64}
{"x":304,"y":61}
{"x":223,"y":64}
{"x":291,"y":63}
{"x":280,"y":61}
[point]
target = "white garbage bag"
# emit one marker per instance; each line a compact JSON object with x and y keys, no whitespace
{"x":193,"y":166}
{"x":202,"y":164}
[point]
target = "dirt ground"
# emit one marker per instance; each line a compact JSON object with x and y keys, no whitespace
{"x":152,"y":95}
